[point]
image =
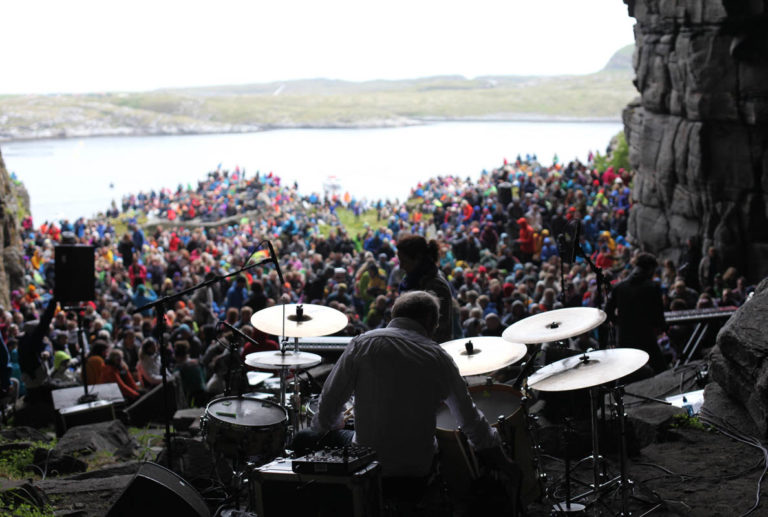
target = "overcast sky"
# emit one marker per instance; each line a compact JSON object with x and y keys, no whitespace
{"x":79,"y":46}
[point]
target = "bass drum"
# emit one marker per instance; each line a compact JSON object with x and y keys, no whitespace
{"x":240,"y":427}
{"x":501,"y":405}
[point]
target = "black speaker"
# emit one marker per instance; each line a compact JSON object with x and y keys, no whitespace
{"x":84,"y":414}
{"x":155,"y":490}
{"x":74,"y":273}
{"x":150,"y":406}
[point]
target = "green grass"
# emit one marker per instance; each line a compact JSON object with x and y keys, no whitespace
{"x":147,"y":437}
{"x":353,"y":225}
{"x":689,"y":422}
{"x":25,"y":510}
{"x":17,"y":464}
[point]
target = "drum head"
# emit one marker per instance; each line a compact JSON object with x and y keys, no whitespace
{"x":493,"y":400}
{"x":246,"y":412}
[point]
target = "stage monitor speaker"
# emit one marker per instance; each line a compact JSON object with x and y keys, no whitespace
{"x":150,"y":406}
{"x":74,"y":270}
{"x":84,"y":414}
{"x":155,"y":490}
{"x":504,"y":193}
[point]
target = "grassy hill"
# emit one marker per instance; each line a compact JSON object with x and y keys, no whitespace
{"x":321,"y":103}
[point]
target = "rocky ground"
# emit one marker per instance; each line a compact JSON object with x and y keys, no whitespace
{"x":677,"y":465}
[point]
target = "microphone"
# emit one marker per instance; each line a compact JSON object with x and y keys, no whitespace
{"x":575,"y":243}
{"x":276,"y":262}
{"x":239,"y":333}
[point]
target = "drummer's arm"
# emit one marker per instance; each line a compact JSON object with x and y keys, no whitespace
{"x":471,"y":420}
{"x":336,"y":391}
{"x":483,"y":437}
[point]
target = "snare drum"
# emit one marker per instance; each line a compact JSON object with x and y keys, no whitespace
{"x":501,"y":405}
{"x":244,"y":427}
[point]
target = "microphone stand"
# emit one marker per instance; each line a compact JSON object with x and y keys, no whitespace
{"x":601,"y":292}
{"x":160,"y":307}
{"x":561,"y":252}
{"x":235,"y":362}
{"x":85,"y":397}
{"x":602,"y":339}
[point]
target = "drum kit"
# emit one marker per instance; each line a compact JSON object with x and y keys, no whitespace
{"x":246,"y":428}
{"x":587,"y":370}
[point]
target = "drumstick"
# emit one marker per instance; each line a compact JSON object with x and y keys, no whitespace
{"x":230,"y":415}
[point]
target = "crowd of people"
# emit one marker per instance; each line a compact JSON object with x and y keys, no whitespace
{"x":516,"y":241}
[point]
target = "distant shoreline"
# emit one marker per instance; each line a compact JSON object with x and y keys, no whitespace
{"x":377,"y":124}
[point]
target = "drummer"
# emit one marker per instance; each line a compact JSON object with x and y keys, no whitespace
{"x":399,"y":377}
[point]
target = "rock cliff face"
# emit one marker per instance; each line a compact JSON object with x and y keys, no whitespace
{"x":739,"y":362}
{"x":14,"y":203}
{"x":698,"y":135}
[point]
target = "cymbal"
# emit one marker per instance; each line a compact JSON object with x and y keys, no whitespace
{"x":313,"y":321}
{"x":275,"y":360}
{"x":488,"y":354}
{"x":554,"y":325}
{"x":588,"y":369}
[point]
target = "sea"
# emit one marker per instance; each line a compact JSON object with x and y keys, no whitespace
{"x":69,"y":178}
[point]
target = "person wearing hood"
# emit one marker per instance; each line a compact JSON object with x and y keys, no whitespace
{"x":142,"y":297}
{"x":61,"y":370}
{"x":525,"y":239}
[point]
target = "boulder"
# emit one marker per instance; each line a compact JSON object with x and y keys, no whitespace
{"x":720,"y":408}
{"x":110,"y":436}
{"x":24,"y":433}
{"x":739,"y":361}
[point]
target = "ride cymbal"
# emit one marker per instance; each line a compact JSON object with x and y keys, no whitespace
{"x":305,"y":320}
{"x":588,"y":369}
{"x":483,"y":354}
{"x":554,"y":325}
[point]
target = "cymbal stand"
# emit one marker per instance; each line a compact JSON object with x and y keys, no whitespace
{"x":597,"y":460}
{"x":625,"y":484}
{"x":567,"y":506}
{"x":296,"y":401}
{"x":530,"y":423}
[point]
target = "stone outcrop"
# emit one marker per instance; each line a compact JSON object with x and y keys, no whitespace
{"x":698,"y":134}
{"x":739,"y":362}
{"x":14,"y":205}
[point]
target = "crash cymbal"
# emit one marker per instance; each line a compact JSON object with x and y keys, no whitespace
{"x":275,"y":360}
{"x":554,"y":325}
{"x":484,"y":354}
{"x":309,"y":321}
{"x":588,"y":369}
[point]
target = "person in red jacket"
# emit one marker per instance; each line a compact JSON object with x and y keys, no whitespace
{"x":525,"y":239}
{"x":115,"y":370}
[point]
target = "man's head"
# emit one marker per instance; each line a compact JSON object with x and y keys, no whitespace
{"x":420,"y":306}
{"x":115,"y":358}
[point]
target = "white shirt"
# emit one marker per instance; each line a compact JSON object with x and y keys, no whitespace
{"x":399,"y":378}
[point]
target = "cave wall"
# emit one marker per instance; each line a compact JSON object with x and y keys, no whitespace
{"x":698,"y":134}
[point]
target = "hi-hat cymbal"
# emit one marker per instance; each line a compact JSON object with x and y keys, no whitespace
{"x":554,"y":325}
{"x":485,"y":354}
{"x":275,"y":360}
{"x":311,"y":321}
{"x":588,"y":369}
